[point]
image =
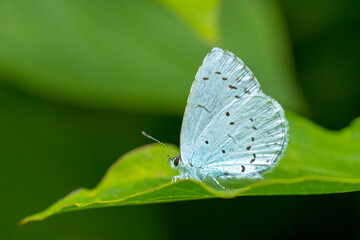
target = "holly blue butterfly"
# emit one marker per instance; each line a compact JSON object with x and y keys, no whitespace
{"x":230,"y":129}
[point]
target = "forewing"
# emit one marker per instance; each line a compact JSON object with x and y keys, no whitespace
{"x":221,"y":79}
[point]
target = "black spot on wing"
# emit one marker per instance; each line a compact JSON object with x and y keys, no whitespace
{"x":201,"y":106}
{"x":253,"y":160}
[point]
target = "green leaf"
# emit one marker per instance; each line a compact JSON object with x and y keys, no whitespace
{"x":136,"y":55}
{"x":317,"y":161}
{"x":202,"y":16}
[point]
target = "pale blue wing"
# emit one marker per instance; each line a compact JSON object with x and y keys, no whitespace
{"x":250,"y":145}
{"x":217,"y":129}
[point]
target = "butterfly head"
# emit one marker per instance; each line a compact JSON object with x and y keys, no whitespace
{"x":175,"y":162}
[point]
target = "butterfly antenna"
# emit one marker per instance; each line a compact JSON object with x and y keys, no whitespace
{"x":154,"y":139}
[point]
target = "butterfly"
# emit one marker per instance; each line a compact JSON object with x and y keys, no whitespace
{"x":230,"y":129}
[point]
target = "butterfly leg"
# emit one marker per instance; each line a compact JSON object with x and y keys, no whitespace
{"x":217,"y":182}
{"x":181,"y":176}
{"x":175,"y":178}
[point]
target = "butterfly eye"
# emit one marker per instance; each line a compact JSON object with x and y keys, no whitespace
{"x":176,"y":161}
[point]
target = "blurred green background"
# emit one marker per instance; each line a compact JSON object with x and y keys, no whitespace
{"x":80,"y":80}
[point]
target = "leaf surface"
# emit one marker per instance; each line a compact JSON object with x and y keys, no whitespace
{"x":317,"y":161}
